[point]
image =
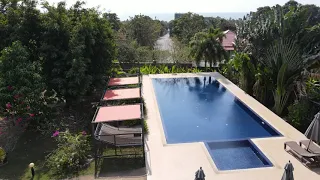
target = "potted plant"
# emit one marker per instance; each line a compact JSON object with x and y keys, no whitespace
{"x":3,"y":157}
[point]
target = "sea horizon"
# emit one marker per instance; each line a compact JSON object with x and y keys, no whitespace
{"x":170,"y":16}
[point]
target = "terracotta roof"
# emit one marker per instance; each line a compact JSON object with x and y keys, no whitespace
{"x":228,"y":41}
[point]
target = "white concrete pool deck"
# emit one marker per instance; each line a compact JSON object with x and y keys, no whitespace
{"x":180,"y":161}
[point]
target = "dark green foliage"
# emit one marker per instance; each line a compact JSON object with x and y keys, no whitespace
{"x":77,"y":52}
{"x":3,"y":156}
{"x":137,"y":123}
{"x":20,"y":21}
{"x":71,"y":154}
{"x":144,"y":30}
{"x":185,"y":27}
{"x":116,"y":70}
{"x":313,"y":89}
{"x":207,"y":46}
{"x":300,"y":114}
{"x":162,"y":69}
{"x":113,"y":20}
{"x":244,"y":67}
{"x":221,"y":23}
{"x":127,"y":53}
{"x":55,"y":46}
{"x":281,"y":41}
{"x":57,"y":54}
{"x":22,"y":93}
{"x":164,"y":28}
{"x":21,"y":80}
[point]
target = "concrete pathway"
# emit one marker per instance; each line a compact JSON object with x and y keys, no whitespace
{"x":164,"y":43}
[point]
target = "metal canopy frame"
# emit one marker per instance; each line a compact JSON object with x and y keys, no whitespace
{"x":98,"y":144}
{"x":95,"y":125}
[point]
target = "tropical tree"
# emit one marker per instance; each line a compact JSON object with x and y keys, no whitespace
{"x":282,"y":42}
{"x":113,"y":20}
{"x":221,"y":23}
{"x":21,"y":92}
{"x":179,"y":52}
{"x":77,"y":49}
{"x":243,"y":65}
{"x":185,"y":27}
{"x":207,"y":46}
{"x":285,"y":64}
{"x":144,"y":30}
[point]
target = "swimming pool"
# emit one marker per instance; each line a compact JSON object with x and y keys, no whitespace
{"x":243,"y":154}
{"x":200,"y":109}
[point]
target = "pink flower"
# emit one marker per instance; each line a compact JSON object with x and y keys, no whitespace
{"x":84,"y":133}
{"x":10,"y":88}
{"x":31,"y":115}
{"x":8,"y":105}
{"x":55,"y":134}
{"x":28,"y":107}
{"x":19,"y":120}
{"x":5,"y":118}
{"x":16,"y":96}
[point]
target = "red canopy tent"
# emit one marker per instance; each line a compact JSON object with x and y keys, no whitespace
{"x":123,"y":81}
{"x":118,"y":113}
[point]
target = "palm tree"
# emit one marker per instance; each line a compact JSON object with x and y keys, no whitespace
{"x":285,"y":64}
{"x":207,"y":46}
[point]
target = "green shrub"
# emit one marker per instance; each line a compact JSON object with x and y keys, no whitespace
{"x":299,"y":114}
{"x":137,"y":122}
{"x":134,"y":70}
{"x":313,"y":89}
{"x":116,"y":69}
{"x":145,"y":126}
{"x":149,"y":69}
{"x":71,"y":155}
{"x":194,"y":70}
{"x":131,"y":123}
{"x":2,"y":155}
{"x":163,"y":69}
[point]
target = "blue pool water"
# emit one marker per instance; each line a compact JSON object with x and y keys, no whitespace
{"x":194,"y":109}
{"x":237,"y":155}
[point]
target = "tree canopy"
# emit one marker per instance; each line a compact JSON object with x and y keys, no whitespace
{"x":281,"y":42}
{"x":186,"y":26}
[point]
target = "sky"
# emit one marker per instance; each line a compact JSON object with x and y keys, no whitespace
{"x":126,"y":8}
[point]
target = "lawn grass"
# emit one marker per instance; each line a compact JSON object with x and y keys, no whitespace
{"x":32,"y":147}
{"x":122,"y":164}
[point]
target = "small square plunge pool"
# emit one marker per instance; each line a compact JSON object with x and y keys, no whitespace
{"x":232,"y":155}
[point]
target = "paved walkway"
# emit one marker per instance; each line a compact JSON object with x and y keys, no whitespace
{"x":164,"y":43}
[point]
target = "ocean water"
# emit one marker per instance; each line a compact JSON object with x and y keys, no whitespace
{"x":170,"y":16}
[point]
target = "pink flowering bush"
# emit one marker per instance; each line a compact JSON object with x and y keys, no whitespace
{"x":72,"y":152}
{"x":24,"y":100}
